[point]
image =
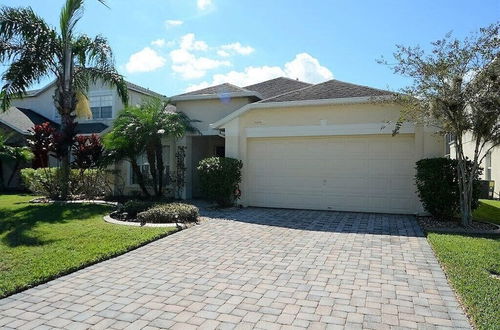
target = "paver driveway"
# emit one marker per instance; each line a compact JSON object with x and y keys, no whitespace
{"x":264,"y":269}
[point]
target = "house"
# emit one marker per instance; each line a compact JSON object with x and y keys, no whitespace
{"x":37,"y":107}
{"x":490,"y":163}
{"x":309,"y":146}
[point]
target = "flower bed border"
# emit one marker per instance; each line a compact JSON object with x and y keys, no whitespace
{"x":109,"y":219}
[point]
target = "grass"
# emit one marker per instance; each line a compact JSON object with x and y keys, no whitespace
{"x":469,"y":263}
{"x":40,"y":242}
{"x":488,"y":210}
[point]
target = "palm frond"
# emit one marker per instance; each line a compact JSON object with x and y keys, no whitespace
{"x":29,"y":44}
{"x":71,"y":13}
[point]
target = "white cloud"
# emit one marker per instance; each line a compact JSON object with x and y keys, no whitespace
{"x":190,"y":66}
{"x":145,"y":60}
{"x":158,"y":42}
{"x":204,"y":4}
{"x":223,"y":53}
{"x":173,"y":22}
{"x":307,"y":68}
{"x":303,"y":67}
{"x":189,"y":42}
{"x":238,"y":48}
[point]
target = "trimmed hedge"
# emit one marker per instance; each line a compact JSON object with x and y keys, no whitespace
{"x":170,"y":213}
{"x":220,"y":178}
{"x":437,"y":187}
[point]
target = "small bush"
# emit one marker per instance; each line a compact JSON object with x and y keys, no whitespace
{"x":88,"y":184}
{"x":169,"y":213}
{"x":437,"y":187}
{"x":220,"y":178}
{"x":134,"y":207}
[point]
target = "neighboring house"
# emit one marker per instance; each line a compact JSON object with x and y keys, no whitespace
{"x":324,"y":146}
{"x":38,"y":107}
{"x":490,"y":163}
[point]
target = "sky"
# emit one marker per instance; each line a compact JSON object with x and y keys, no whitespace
{"x":173,"y":46}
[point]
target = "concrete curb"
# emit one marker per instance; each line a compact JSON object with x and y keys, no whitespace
{"x":109,"y":219}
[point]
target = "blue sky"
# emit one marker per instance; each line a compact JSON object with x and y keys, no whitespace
{"x":171,"y":46}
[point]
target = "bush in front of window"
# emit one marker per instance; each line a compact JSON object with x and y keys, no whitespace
{"x":170,"y":213}
{"x":220,"y":178}
{"x":133,"y":207}
{"x":437,"y":187}
{"x":48,"y":182}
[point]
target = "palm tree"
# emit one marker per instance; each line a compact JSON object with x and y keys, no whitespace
{"x":35,"y":50}
{"x":18,"y":155}
{"x":140,"y":130}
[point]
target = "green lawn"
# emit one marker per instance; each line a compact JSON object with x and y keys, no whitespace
{"x":469,"y":262}
{"x":488,"y":210}
{"x":39,"y":242}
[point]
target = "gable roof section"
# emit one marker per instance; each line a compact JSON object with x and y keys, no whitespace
{"x":215,"y":92}
{"x":131,"y":86}
{"x":277,"y":86}
{"x":22,"y":120}
{"x":331,"y":89}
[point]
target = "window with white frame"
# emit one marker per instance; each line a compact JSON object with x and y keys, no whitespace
{"x":143,"y":163}
{"x":101,"y":105}
{"x":487,"y":161}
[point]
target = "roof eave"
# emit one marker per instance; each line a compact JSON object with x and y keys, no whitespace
{"x":264,"y":105}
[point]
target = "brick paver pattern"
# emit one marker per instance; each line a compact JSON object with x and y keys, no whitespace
{"x":257,"y":268}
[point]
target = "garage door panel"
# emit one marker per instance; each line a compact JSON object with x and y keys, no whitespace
{"x":348,"y":173}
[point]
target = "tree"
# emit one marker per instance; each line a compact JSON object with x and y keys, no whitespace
{"x":87,"y":151}
{"x":34,"y":50}
{"x":455,"y":88}
{"x":141,"y":130}
{"x":16,"y":154}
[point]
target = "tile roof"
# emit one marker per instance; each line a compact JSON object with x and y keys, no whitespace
{"x":22,"y":119}
{"x":277,"y":86}
{"x":216,"y":90}
{"x":332,"y":89}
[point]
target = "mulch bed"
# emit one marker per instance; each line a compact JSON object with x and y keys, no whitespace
{"x":454,"y":226}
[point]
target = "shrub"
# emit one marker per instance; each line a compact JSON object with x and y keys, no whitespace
{"x":220,"y":178}
{"x":437,"y":187}
{"x":48,"y":182}
{"x":170,"y":213}
{"x":134,"y":207}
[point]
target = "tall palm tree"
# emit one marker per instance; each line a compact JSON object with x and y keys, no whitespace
{"x":141,"y":130}
{"x":35,"y":50}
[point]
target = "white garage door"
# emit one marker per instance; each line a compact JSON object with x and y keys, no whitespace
{"x":371,"y":173}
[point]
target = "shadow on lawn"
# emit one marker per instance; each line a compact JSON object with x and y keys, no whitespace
{"x":18,"y":223}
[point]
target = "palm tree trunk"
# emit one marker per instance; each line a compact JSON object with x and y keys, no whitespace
{"x":14,"y":170}
{"x":67,"y":106}
{"x":150,"y":154}
{"x":159,"y":165}
{"x":140,"y":178}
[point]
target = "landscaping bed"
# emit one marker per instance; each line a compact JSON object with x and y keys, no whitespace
{"x":144,"y":212}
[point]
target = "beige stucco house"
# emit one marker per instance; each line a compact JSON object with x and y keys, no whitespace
{"x":490,"y":163}
{"x":323,"y":146}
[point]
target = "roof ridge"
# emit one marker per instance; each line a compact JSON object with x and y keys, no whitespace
{"x":293,"y":91}
{"x":352,"y":84}
{"x":280,"y":77}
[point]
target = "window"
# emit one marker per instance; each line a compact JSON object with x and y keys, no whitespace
{"x":487,"y":166}
{"x":220,"y":151}
{"x":450,"y":139}
{"x":143,"y":163}
{"x":101,"y":106}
